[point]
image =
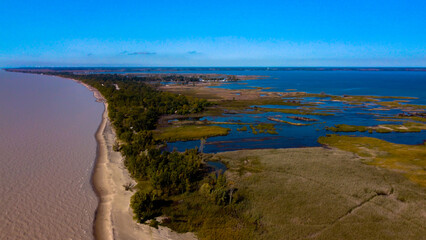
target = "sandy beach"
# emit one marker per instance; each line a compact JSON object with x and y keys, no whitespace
{"x":114,"y":216}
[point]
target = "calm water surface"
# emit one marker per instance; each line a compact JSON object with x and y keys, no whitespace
{"x":381,"y":83}
{"x":47,"y":151}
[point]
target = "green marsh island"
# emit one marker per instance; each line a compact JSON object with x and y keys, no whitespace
{"x":348,"y":187}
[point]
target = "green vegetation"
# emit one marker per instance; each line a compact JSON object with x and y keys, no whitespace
{"x":409,"y":159}
{"x":419,"y":119}
{"x":172,"y":184}
{"x":264,"y":194}
{"x":167,"y":173}
{"x":293,"y":111}
{"x":266,"y":128}
{"x":214,"y":211}
{"x":145,"y":206}
{"x":405,"y":127}
{"x":390,"y":119}
{"x":384,"y":128}
{"x":347,"y":128}
{"x":243,"y":104}
{"x":289,"y":194}
{"x":203,"y":122}
{"x":363,"y":99}
{"x":394,"y":97}
{"x":354,"y":99}
{"x":397,"y":104}
{"x":189,"y":132}
{"x":137,"y":106}
{"x":253,"y":129}
{"x":398,"y":118}
{"x":263,"y":128}
{"x":242,"y":129}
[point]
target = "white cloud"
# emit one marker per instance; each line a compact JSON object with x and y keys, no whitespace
{"x":221,"y":51}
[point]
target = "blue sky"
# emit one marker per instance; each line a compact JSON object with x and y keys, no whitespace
{"x":212,"y":33}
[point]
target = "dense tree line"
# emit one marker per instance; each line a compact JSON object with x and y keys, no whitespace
{"x":134,"y":109}
{"x":171,"y":78}
{"x":135,"y":106}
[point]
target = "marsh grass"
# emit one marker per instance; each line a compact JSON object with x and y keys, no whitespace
{"x":316,"y":193}
{"x":253,"y":129}
{"x":266,"y":128}
{"x":401,"y":105}
{"x":406,"y":118}
{"x":189,"y":132}
{"x":243,"y":104}
{"x":347,"y":128}
{"x":194,"y":212}
{"x":293,"y":111}
{"x":383,"y":128}
{"x":408,"y":159}
{"x":419,"y":119}
{"x":263,"y":128}
{"x":242,"y":129}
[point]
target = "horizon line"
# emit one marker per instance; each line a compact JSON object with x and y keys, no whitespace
{"x":150,"y":67}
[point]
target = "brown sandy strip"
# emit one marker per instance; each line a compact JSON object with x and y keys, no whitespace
{"x":114,"y":216}
{"x":102,"y":225}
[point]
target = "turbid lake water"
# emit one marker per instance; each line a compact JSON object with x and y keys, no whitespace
{"x":47,"y":151}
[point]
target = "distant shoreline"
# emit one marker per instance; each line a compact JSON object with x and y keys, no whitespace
{"x":114,"y":216}
{"x":178,"y":70}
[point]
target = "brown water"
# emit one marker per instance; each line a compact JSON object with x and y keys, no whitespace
{"x":47,"y":151}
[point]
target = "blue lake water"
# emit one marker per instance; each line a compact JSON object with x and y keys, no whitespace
{"x":380,"y":83}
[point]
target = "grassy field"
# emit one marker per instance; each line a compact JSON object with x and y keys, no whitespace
{"x":293,"y":111}
{"x":420,"y":119}
{"x":383,"y":128}
{"x":398,"y":118}
{"x":394,"y":104}
{"x":306,"y":193}
{"x":317,"y":193}
{"x":189,"y":132}
{"x":407,"y":159}
{"x":266,"y":128}
{"x":243,"y":104}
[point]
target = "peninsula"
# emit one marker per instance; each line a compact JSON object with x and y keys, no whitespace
{"x":352,"y":187}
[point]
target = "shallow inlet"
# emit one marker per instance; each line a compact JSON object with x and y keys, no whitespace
{"x":400,"y":83}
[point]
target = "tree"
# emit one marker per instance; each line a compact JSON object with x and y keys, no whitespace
{"x":145,"y":206}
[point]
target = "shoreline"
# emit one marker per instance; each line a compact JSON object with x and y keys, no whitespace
{"x":113,"y":215}
{"x":102,"y":226}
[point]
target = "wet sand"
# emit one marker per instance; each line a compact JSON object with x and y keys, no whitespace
{"x":114,"y":216}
